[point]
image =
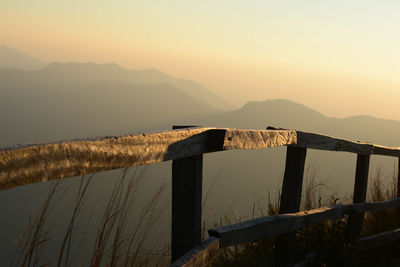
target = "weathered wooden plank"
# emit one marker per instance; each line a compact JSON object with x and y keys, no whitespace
{"x":44,"y":162}
{"x":377,"y":240}
{"x":257,"y":139}
{"x":375,"y":206}
{"x":355,"y":222}
{"x":283,"y":223}
{"x":41,"y":162}
{"x":201,"y":255}
{"x":187,"y":182}
{"x":27,"y":164}
{"x":324,"y":142}
{"x":264,"y":227}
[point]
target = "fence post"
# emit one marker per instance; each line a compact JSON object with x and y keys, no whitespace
{"x":187,"y":179}
{"x":290,"y":200}
{"x":355,"y":221}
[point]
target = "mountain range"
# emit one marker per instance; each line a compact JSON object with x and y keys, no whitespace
{"x":40,"y":102}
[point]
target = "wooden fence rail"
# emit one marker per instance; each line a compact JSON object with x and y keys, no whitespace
{"x":264,"y":227}
{"x":28,"y":164}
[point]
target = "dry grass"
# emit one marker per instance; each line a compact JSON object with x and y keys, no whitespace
{"x":381,"y":188}
{"x":37,"y":232}
{"x":117,"y":242}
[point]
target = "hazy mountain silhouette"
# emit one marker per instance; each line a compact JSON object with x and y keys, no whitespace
{"x":13,"y":59}
{"x":104,"y":97}
{"x":91,"y":72}
{"x":151,"y":91}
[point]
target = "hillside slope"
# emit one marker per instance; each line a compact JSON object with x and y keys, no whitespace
{"x":13,"y":59}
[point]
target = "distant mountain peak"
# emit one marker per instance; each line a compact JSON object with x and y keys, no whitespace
{"x":280,"y":106}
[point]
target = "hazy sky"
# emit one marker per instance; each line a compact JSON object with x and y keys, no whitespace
{"x":340,"y":57}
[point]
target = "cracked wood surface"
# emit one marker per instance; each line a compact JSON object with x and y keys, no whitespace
{"x":42,"y":162}
{"x":28,"y":164}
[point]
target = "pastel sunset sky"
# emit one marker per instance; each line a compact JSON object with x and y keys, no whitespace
{"x":339,"y":57}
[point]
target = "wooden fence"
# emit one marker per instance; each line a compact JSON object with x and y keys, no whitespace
{"x":185,"y":146}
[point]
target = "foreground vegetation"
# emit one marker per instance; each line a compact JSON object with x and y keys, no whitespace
{"x":116,"y":243}
{"x":324,"y":244}
{"x":119,"y":244}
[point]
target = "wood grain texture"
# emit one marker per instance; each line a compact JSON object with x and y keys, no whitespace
{"x":257,"y":139}
{"x":200,"y":255}
{"x":324,"y":142}
{"x":44,"y":162}
{"x":28,"y":164}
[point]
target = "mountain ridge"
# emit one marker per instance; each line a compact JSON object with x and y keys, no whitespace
{"x":16,"y":60}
